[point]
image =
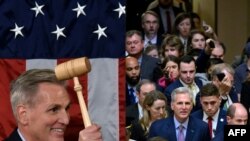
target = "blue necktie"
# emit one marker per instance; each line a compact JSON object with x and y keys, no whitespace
{"x":132,"y":96}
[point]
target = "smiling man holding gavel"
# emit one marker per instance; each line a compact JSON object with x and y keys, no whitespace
{"x":40,"y":104}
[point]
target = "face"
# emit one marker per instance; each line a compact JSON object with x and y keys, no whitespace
{"x":157,"y":110}
{"x":153,"y":53}
{"x":210,"y":104}
{"x":171,"y":69}
{"x":240,"y":117}
{"x":187,"y":72}
{"x":198,"y":41}
{"x":182,"y":106}
{"x":47,"y":120}
{"x":217,"y":52}
{"x":132,"y":71}
{"x":169,"y":50}
{"x":184,"y":27}
{"x":150,"y":24}
{"x":145,"y":89}
{"x":134,"y":45}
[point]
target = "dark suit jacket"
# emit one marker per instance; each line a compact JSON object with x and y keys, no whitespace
{"x":197,"y":130}
{"x":233,"y":95}
{"x":138,"y":133}
{"x":157,"y":10}
{"x":245,"y":97}
{"x":148,"y":66}
{"x":14,"y":136}
{"x":158,"y":40}
{"x":132,"y":114}
{"x":219,"y":137}
{"x":176,"y":84}
{"x":222,"y":120}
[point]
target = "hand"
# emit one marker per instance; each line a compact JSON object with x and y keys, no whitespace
{"x":208,"y":49}
{"x":91,"y":133}
{"x":225,"y":86}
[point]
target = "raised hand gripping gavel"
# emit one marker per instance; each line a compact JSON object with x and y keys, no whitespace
{"x":73,"y":69}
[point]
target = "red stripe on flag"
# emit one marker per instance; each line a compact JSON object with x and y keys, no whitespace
{"x":9,"y":69}
{"x":122,"y":99}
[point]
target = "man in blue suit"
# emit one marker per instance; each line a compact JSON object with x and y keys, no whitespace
{"x":211,"y":112}
{"x":186,"y":79}
{"x":181,"y":125}
{"x":236,"y":115}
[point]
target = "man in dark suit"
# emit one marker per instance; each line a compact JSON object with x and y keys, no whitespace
{"x":186,"y":79}
{"x":165,"y":8}
{"x":134,"y":111}
{"x":224,"y":84}
{"x":236,"y":115}
{"x":132,"y":79}
{"x":40,"y":104}
{"x":211,"y":112}
{"x":150,"y":26}
{"x":134,"y":48}
{"x":181,"y":126}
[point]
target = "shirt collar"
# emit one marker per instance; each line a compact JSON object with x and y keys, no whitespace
{"x":20,"y":134}
{"x":177,"y":123}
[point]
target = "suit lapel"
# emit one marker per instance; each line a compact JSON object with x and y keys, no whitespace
{"x":190,"y":130}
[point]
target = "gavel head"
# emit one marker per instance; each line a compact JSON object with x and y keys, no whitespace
{"x":72,"y":68}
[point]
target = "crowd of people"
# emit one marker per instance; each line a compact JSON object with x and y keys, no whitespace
{"x":173,"y":54}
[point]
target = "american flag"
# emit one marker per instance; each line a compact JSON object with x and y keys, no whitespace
{"x":44,"y":33}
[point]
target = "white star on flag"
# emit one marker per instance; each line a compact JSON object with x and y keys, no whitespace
{"x":121,"y":10}
{"x":59,"y":32}
{"x":100,"y":31}
{"x":17,"y":30}
{"x":38,"y":9}
{"x":79,"y":9}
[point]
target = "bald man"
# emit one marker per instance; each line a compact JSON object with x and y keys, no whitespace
{"x":236,"y":115}
{"x":219,"y":51}
{"x":132,"y":79}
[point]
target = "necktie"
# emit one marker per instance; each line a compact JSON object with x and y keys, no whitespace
{"x":169,"y":25}
{"x":131,"y":96}
{"x":192,"y":89}
{"x":149,"y":43}
{"x":181,"y":133}
{"x":210,"y":126}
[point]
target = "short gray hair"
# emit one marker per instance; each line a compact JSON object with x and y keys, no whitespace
{"x":181,"y":90}
{"x":23,"y":90}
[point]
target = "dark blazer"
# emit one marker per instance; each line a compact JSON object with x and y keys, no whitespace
{"x":176,"y":84}
{"x":222,"y":120}
{"x":14,"y":136}
{"x":197,"y":130}
{"x":157,"y":10}
{"x":138,"y":133}
{"x":245,"y":97}
{"x":158,"y":40}
{"x":132,"y":114}
{"x":219,"y":136}
{"x":148,"y":66}
{"x":233,"y":95}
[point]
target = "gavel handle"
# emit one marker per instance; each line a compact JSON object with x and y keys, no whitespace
{"x":84,"y":111}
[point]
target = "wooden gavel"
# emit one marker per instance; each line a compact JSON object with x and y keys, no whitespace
{"x":73,"y":69}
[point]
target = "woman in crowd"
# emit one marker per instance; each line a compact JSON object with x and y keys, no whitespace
{"x":154,"y":108}
{"x":171,"y":45}
{"x":170,"y":72}
{"x":182,"y":27}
